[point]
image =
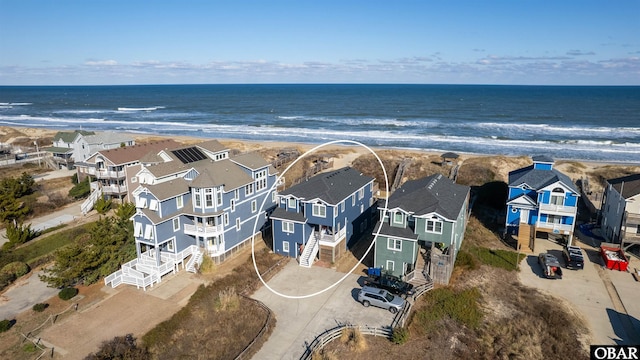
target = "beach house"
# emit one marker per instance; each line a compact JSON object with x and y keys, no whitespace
{"x":322,"y":216}
{"x":542,"y":203}
{"x":107,"y":169}
{"x":620,"y":211}
{"x":71,"y":146}
{"x":422,"y":228}
{"x":194,"y":201}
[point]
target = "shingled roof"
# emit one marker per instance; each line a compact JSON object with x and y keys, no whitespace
{"x":537,"y":179}
{"x":331,"y":187}
{"x":432,"y":194}
{"x":631,"y":185}
{"x":129,"y":154}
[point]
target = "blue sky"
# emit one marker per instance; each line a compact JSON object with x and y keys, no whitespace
{"x":96,"y":42}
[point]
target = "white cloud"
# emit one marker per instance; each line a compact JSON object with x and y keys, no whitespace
{"x":101,"y":63}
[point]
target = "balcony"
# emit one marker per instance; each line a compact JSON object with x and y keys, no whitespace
{"x":109,"y":189}
{"x":332,"y":239}
{"x":203,"y":230}
{"x":107,"y":174}
{"x":556,"y":228}
{"x":558,"y":209}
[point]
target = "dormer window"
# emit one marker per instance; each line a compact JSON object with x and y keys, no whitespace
{"x":557,"y":196}
{"x":434,"y":225}
{"x":398,"y":218}
{"x":291,"y":203}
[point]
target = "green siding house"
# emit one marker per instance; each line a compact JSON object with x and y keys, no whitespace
{"x":422,"y":228}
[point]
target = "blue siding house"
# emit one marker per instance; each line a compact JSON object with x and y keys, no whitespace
{"x":542,"y":203}
{"x":192,"y":202}
{"x":321,"y":217}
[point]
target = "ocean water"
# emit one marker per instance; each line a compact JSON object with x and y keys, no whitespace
{"x":565,"y":122}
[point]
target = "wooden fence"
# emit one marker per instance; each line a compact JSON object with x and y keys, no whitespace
{"x":329,"y":335}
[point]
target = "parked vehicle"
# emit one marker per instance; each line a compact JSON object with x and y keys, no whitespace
{"x":573,"y":257}
{"x":381,"y":298}
{"x":391,"y":283}
{"x":550,"y":266}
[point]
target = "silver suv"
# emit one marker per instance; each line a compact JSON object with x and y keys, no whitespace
{"x":369,"y":295}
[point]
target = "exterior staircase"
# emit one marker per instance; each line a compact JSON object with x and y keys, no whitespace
{"x":87,"y":205}
{"x":310,"y":250}
{"x":195,"y":261}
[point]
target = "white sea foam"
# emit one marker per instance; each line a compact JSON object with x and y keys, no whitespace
{"x":131,"y":109}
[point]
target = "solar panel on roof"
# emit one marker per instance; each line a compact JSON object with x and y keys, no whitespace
{"x":189,"y":155}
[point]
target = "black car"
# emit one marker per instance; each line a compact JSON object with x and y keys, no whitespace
{"x":573,"y":257}
{"x":390,"y":283}
{"x":550,"y":266}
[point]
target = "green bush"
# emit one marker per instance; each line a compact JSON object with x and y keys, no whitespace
{"x":81,"y":190}
{"x":40,"y":307}
{"x":17,"y":268}
{"x":400,"y":335}
{"x":6,"y":325}
{"x":6,"y":279}
{"x":67,"y":293}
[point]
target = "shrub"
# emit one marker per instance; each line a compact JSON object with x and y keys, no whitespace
{"x":207,"y":266}
{"x":6,"y":279}
{"x":228,"y":299}
{"x":67,"y":293}
{"x":40,"y":307}
{"x":6,"y":325}
{"x":400,"y":335}
{"x":120,"y":347}
{"x":81,"y":190}
{"x":17,"y":268}
{"x":354,"y":339}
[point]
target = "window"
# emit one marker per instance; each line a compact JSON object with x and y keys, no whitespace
{"x":179,"y":202}
{"x":261,"y":180}
{"x":233,"y":205}
{"x":557,"y":196}
{"x":285,"y":246}
{"x":176,"y":224}
{"x":237,"y":223}
{"x":153,"y":204}
{"x":208,"y":197}
{"x":554,"y":219}
{"x":226,"y":219}
{"x":291,"y":203}
{"x":148,"y":232}
{"x":141,"y":202}
{"x":170,"y":245}
{"x":394,"y":244}
{"x":288,"y":227}
{"x":197,"y":200}
{"x":353,"y":200}
{"x":248,"y":190}
{"x":237,"y":194}
{"x":137,"y":230}
{"x":342,"y":206}
{"x":219,"y":196}
{"x":319,"y":210}
{"x":254,"y":206}
{"x":398,"y":217}
{"x":514,"y":210}
{"x":434,"y":226}
{"x":360,"y":194}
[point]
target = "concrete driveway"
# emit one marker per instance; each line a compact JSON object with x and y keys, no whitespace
{"x":23,"y":294}
{"x":299,"y":321}
{"x":602,"y":296}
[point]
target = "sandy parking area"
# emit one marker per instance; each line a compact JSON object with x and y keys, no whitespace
{"x":603,"y":306}
{"x":301,"y":320}
{"x":124,"y":310}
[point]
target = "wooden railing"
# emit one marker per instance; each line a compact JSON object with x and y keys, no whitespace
{"x":329,"y":335}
